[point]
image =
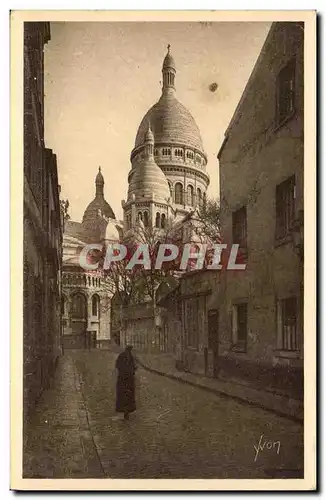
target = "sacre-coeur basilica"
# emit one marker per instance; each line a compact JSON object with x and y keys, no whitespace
{"x":166,"y":182}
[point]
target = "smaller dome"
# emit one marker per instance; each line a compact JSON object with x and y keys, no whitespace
{"x":99,"y":207}
{"x":147,"y":180}
{"x":96,"y":209}
{"x":149,"y":136}
{"x":111,"y":232}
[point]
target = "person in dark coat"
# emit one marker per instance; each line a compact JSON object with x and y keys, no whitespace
{"x":125,"y":397}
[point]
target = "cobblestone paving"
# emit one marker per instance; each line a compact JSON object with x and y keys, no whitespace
{"x":181,"y":431}
{"x":178,"y":431}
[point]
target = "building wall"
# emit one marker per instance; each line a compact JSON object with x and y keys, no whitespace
{"x":148,"y":330}
{"x":263,"y":154}
{"x":138,"y":326}
{"x":169,"y":319}
{"x":91,"y":330}
{"x":200,"y":293}
{"x":42,"y":229}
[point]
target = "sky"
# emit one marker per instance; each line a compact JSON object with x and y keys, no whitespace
{"x":102,"y":77}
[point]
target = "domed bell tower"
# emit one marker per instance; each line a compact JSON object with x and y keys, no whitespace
{"x":148,"y":203}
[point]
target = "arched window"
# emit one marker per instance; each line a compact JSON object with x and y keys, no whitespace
{"x":140,"y":216}
{"x":79,"y":310}
{"x":204,"y":199}
{"x":163,"y":220}
{"x":199,"y":198}
{"x":85,"y":281}
{"x":158,"y":220}
{"x":95,"y":305}
{"x":170,"y":186}
{"x":89,"y":281}
{"x":146,"y":219}
{"x":178,"y":152}
{"x":190,"y":195}
{"x":92,"y":281}
{"x":128,"y":221}
{"x":178,"y":193}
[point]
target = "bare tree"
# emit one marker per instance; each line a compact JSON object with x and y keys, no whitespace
{"x":136,"y":284}
{"x":153,"y":237}
{"x":206,"y":221}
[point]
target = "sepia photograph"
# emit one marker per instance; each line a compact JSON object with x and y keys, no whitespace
{"x":163,"y":184}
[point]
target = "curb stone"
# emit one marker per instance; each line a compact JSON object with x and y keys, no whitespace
{"x":225,"y":394}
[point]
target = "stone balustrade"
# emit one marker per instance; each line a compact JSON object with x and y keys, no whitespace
{"x":81,"y":280}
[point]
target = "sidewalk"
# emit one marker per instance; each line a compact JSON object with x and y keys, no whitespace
{"x":58,"y":442}
{"x":164,"y":364}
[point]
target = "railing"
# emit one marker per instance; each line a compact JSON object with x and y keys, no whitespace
{"x":81,"y":280}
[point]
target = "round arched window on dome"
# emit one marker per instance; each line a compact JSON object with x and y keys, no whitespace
{"x":79,"y":307}
{"x":190,"y":195}
{"x":163,"y":221}
{"x":204,"y":199}
{"x":128,"y":221}
{"x":178,"y":193}
{"x":146,"y":219}
{"x":170,"y":187}
{"x":95,"y":305}
{"x":158,"y":220}
{"x":199,"y":196}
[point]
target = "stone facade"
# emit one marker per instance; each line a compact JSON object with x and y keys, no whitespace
{"x":264,"y":145}
{"x":200,"y":295}
{"x":167,"y":183}
{"x":177,"y":150}
{"x":248,"y":324}
{"x":42,"y":229}
{"x":85,"y":309}
{"x":86,"y":294}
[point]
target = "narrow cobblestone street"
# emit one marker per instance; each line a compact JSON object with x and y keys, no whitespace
{"x":178,"y":431}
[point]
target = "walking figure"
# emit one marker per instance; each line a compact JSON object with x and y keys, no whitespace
{"x":125,"y":397}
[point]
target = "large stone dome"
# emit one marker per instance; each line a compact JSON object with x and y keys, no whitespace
{"x":171,"y":123}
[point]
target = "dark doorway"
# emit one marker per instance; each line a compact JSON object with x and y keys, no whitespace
{"x":213,"y":338}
